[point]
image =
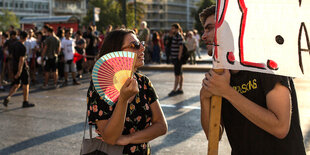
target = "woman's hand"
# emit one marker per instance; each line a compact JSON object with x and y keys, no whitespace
{"x":129,"y":89}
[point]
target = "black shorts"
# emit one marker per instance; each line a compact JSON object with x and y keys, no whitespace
{"x":23,"y":78}
{"x":177,"y":67}
{"x":79,"y":64}
{"x":51,"y":65}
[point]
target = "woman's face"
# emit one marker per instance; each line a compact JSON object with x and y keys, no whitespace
{"x":129,"y":42}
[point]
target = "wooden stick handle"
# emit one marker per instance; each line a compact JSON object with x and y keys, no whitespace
{"x":214,"y":122}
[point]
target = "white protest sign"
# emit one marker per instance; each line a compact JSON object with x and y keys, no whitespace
{"x":269,"y":36}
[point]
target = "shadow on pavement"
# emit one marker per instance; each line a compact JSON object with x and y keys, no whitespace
{"x":42,"y":139}
{"x":180,"y":133}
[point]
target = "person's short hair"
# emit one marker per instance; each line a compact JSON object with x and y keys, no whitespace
{"x":46,"y":26}
{"x":50,"y":29}
{"x":78,"y":32}
{"x":176,"y":25}
{"x":13,"y":33}
{"x":23,"y":34}
{"x":67,"y":30}
{"x":90,"y":28}
{"x":144,"y":23}
{"x":5,"y":35}
{"x":209,"y":11}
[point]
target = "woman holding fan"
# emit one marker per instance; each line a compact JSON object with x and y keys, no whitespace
{"x":137,"y":117}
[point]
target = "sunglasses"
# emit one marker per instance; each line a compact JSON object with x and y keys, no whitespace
{"x":135,"y":45}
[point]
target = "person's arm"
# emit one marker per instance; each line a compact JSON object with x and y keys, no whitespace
{"x":111,"y":129}
{"x":275,"y":119}
{"x":180,"y":52}
{"x":20,"y":66}
{"x":159,"y":127}
{"x":205,"y":102}
{"x":43,"y":53}
{"x":59,"y":48}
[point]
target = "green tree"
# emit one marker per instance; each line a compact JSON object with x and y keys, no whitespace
{"x":201,"y":5}
{"x":8,"y":18}
{"x":140,"y":7}
{"x":111,"y":13}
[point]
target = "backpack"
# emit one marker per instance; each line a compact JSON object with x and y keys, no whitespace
{"x":185,"y":55}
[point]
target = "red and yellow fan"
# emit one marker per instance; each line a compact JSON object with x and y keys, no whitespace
{"x":110,"y":73}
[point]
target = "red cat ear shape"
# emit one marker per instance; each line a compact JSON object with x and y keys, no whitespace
{"x":110,"y":72}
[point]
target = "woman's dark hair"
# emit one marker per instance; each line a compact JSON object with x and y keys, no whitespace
{"x":114,"y":41}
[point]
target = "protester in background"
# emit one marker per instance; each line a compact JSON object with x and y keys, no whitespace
{"x":156,"y":47}
{"x":31,"y":55}
{"x":144,"y":35}
{"x":137,"y":117}
{"x":67,"y":46}
{"x":191,"y":45}
{"x":61,"y":59}
{"x":8,"y":46}
{"x":91,"y":48}
{"x":108,"y":30}
{"x":197,"y":36}
{"x":50,"y":54}
{"x":2,"y":58}
{"x":80,"y":49}
{"x":167,"y":41}
{"x":261,"y":117}
{"x":20,"y":70}
{"x":176,"y":54}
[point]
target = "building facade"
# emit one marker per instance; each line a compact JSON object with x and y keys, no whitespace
{"x":160,"y":14}
{"x":44,"y":8}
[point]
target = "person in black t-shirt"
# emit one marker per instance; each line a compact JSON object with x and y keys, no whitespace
{"x":259,"y":111}
{"x":20,"y":70}
{"x":8,"y":46}
{"x":91,"y":48}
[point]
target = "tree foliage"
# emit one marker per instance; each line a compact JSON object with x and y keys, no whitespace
{"x":201,"y":5}
{"x":8,"y":18}
{"x":111,"y":13}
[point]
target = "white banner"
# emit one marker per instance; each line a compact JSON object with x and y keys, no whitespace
{"x":270,"y":36}
{"x":96,"y":14}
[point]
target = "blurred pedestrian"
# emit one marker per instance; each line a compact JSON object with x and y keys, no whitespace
{"x":156,"y":47}
{"x":91,"y":48}
{"x":167,"y":42}
{"x":8,"y":47}
{"x":191,"y":45}
{"x":68,"y":49}
{"x":176,"y":54}
{"x":80,"y":49}
{"x":50,"y":54}
{"x":31,"y":55}
{"x":20,"y":70}
{"x":144,"y":35}
{"x":197,"y":36}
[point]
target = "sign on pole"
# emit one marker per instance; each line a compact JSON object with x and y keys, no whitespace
{"x":96,"y":14}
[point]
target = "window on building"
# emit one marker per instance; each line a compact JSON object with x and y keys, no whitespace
{"x":1,"y":4}
{"x":26,"y":5}
{"x":16,"y":5}
{"x":21,"y":5}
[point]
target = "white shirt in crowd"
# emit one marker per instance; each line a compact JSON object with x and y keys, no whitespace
{"x":68,"y":48}
{"x":30,"y":45}
{"x":197,"y":36}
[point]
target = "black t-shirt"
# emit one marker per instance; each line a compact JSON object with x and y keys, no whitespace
{"x":10,"y":45}
{"x":19,"y":50}
{"x":245,"y":137}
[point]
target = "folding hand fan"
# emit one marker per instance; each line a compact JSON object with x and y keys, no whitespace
{"x":110,"y":73}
